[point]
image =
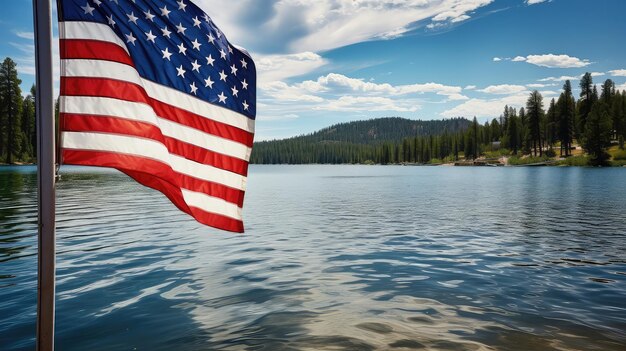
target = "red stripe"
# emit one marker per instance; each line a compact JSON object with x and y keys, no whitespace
{"x":115,"y":125}
{"x":141,"y":164}
{"x":93,"y":49}
{"x":103,"y":87}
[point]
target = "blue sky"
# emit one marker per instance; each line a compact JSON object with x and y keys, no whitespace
{"x":328,"y":61}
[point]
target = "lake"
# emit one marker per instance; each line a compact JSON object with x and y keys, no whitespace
{"x":333,"y":258}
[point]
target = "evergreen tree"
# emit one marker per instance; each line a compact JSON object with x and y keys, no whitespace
{"x":10,"y":111}
{"x":551,"y":124}
{"x":566,"y":109}
{"x":597,"y":136}
{"x":586,"y":101}
{"x":534,"y":106}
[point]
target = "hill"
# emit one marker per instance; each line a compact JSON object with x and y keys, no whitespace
{"x":351,"y":142}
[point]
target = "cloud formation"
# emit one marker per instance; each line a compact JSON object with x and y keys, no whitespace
{"x":553,"y":61}
{"x":618,"y":73}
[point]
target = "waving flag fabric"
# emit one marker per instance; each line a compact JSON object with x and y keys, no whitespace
{"x":154,"y":89}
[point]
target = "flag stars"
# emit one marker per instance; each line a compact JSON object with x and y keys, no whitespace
{"x":166,"y":32}
{"x":111,"y":21}
{"x":132,"y":18}
{"x":180,"y":28}
{"x":181,"y":5}
{"x":165,"y":12}
{"x":222,"y":98}
{"x":196,"y":44}
{"x":244,"y":63}
{"x":180,"y":71}
{"x":88,"y":9}
{"x":196,"y":66}
{"x":233,"y":70}
{"x":130,"y":38}
{"x":235,"y":91}
{"x":196,"y":22}
{"x":182,"y":49}
{"x":208,"y":83}
{"x":193,"y":88}
{"x":222,"y":54}
{"x":211,"y":38}
{"x":166,"y":54}
{"x":150,"y":37}
{"x":245,"y":105}
{"x":210,"y":60}
{"x":230,"y":50}
{"x":223,"y":76}
{"x":244,"y":84}
{"x":149,"y":16}
{"x":97,"y":2}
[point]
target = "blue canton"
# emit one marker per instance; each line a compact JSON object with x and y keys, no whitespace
{"x":176,"y":44}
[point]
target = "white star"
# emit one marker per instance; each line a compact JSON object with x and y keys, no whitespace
{"x":196,"y":66}
{"x":233,"y":70}
{"x":245,"y":105}
{"x":149,"y":16}
{"x":165,"y":12}
{"x":130,"y":38}
{"x":222,"y":97}
{"x":219,"y":34}
{"x":97,"y":2}
{"x":181,"y":5}
{"x":181,"y":71}
{"x":111,"y":21}
{"x":180,"y":28}
{"x":182,"y":49}
{"x":132,"y":18}
{"x":208,"y":82}
{"x":210,"y":60}
{"x":244,"y":84}
{"x":196,"y":44}
{"x":235,"y":91}
{"x":196,"y":22}
{"x":166,"y":32}
{"x":166,"y":54}
{"x":151,"y":36}
{"x":206,"y":18}
{"x":230,"y":50}
{"x":244,"y":63}
{"x":223,"y":75}
{"x":193,"y":88}
{"x":211,"y":38}
{"x":223,"y":54}
{"x":88,"y":9}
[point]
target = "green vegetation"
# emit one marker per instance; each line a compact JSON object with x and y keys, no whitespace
{"x":530,"y":135}
{"x":17,"y":118}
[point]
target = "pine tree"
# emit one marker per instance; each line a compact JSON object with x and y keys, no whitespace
{"x":597,"y":136}
{"x":566,"y":109}
{"x":10,"y":110}
{"x":534,"y":106}
{"x":586,"y":101}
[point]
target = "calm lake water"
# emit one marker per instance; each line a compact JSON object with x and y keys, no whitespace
{"x":334,"y":258}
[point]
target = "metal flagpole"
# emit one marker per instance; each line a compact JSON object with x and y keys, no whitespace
{"x":44,"y":104}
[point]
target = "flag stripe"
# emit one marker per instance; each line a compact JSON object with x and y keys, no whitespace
{"x":89,"y":31}
{"x":93,"y":49}
{"x":123,"y":72}
{"x":150,"y":149}
{"x":156,"y":175}
{"x":144,"y":113}
{"x":131,"y":92}
{"x":115,"y":125}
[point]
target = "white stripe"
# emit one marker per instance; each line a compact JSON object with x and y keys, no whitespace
{"x":89,"y":31}
{"x":212,"y":204}
{"x":126,"y":73}
{"x":150,"y":149}
{"x":143,"y":113}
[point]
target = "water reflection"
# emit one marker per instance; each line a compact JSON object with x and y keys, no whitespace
{"x":335,"y":258}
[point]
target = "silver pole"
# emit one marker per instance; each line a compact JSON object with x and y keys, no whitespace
{"x":44,"y":104}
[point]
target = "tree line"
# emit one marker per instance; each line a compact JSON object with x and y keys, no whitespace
{"x":594,"y":121}
{"x":18,"y":139}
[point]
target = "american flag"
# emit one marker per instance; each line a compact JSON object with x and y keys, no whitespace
{"x":154,"y":89}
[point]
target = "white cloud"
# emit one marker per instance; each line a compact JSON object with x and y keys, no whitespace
{"x":497,"y":59}
{"x":553,"y":61}
{"x":538,"y":86}
{"x":327,"y":24}
{"x":278,"y":67}
{"x":367,"y":103}
{"x":490,"y":108}
{"x":533,"y":2}
{"x":503,"y":89}
{"x":597,"y":74}
{"x":470,"y":87}
{"x":26,"y":35}
{"x":558,"y":79}
{"x":621,"y":87}
{"x":618,"y":73}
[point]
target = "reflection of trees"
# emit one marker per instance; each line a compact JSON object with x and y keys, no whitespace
{"x":18,"y":213}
